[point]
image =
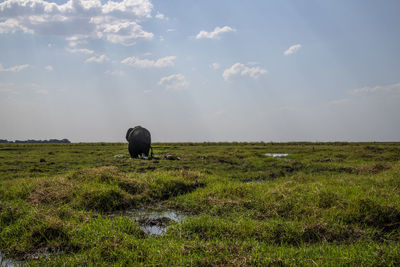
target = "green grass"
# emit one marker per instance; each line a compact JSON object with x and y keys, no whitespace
{"x":330,"y":204}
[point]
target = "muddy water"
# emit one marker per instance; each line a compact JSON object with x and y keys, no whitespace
{"x":5,"y":262}
{"x":156,"y":222}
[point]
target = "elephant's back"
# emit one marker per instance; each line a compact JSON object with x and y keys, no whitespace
{"x":140,"y":134}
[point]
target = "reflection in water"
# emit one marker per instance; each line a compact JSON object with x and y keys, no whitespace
{"x":156,"y":222}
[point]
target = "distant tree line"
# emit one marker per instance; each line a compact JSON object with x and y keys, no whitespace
{"x":36,"y":141}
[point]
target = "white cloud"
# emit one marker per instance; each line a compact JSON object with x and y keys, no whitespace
{"x":147,"y":63}
{"x":160,"y":16}
{"x":215,"y":66}
{"x":116,"y":22}
{"x":243,"y":70}
{"x":75,"y":40}
{"x":80,"y":51}
{"x":14,"y":68}
{"x":140,"y":8}
{"x":49,"y":68}
{"x":115,"y":72}
{"x":376,"y":89}
{"x":214,"y":34}
{"x":293,"y":49}
{"x":97,"y":59}
{"x":12,"y":25}
{"x":123,"y":32}
{"x":174,"y":82}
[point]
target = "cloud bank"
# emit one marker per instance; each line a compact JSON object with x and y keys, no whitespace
{"x":116,"y":22}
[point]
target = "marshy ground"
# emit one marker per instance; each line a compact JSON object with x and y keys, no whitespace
{"x":322,"y":204}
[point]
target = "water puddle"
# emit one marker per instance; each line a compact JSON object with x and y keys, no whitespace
{"x":154,"y":222}
{"x":6,"y":262}
{"x":276,"y":155}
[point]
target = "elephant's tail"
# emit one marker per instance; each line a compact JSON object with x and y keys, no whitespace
{"x":151,"y":153}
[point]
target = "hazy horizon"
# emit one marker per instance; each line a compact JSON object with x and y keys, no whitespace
{"x":198,"y":71}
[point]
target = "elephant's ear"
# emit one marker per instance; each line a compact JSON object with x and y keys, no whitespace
{"x":128,"y":133}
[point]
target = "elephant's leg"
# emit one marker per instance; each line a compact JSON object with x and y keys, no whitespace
{"x":146,"y":152}
{"x":140,"y":149}
{"x":132,"y":151}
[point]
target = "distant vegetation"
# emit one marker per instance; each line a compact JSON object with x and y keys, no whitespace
{"x":325,"y":204}
{"x":37,"y":141}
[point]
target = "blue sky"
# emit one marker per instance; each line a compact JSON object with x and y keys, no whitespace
{"x":200,"y":70}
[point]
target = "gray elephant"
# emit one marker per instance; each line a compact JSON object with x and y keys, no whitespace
{"x":139,"y":142}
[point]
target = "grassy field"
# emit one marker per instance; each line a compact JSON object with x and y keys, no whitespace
{"x":323,"y":204}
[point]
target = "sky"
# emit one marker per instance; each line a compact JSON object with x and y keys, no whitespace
{"x":195,"y":71}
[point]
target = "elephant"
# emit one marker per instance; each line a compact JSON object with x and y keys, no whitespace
{"x":139,"y":142}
